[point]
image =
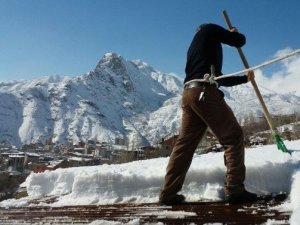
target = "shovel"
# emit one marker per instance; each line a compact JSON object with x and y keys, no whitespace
{"x":276,"y":137}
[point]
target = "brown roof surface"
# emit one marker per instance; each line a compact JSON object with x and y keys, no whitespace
{"x":190,"y":213}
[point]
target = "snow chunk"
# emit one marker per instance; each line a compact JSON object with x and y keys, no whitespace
{"x":108,"y":222}
{"x":169,"y":214}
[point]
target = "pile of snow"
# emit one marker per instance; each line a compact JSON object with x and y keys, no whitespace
{"x":268,"y":171}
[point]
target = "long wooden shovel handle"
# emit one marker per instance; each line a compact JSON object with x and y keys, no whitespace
{"x":246,"y":65}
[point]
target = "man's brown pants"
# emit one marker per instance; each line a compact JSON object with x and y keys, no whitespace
{"x":197,"y":114}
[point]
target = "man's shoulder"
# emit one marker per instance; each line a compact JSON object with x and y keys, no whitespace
{"x":208,"y":29}
{"x":210,"y":26}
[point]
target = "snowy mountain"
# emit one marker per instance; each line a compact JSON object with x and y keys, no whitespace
{"x":120,"y":98}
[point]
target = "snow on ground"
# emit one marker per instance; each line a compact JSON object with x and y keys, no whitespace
{"x":158,"y":214}
{"x":268,"y":171}
{"x":131,"y":222}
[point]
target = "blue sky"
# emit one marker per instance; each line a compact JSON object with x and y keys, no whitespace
{"x":68,"y":37}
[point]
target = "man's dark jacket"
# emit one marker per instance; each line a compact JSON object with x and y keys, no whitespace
{"x":206,"y":50}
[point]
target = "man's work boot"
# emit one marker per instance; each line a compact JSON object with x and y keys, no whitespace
{"x":242,"y":197}
{"x":178,"y":199}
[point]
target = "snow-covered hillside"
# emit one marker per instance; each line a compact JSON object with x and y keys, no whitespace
{"x":117,"y":99}
{"x":268,"y":171}
{"x":243,"y":101}
{"x":120,"y":98}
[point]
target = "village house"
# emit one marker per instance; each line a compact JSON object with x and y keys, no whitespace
{"x":2,"y":164}
{"x":14,"y":161}
{"x":124,"y":156}
{"x":79,"y":161}
{"x":53,"y":165}
{"x":208,"y":143}
{"x":150,"y":152}
{"x":166,"y":145}
{"x":103,"y":150}
{"x":90,"y":147}
{"x":79,"y":150}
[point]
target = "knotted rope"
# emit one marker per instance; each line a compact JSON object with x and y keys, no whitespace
{"x":212,"y":79}
{"x":260,"y":65}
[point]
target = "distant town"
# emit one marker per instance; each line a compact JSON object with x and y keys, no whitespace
{"x":17,"y":163}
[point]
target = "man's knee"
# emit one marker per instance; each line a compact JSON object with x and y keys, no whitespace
{"x":240,"y":138}
{"x":233,"y":137}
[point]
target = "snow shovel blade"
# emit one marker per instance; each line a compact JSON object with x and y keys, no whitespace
{"x":280,"y":144}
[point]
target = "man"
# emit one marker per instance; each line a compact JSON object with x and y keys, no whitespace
{"x":203,"y":106}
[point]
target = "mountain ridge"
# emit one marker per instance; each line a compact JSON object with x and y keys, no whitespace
{"x":119,"y":98}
